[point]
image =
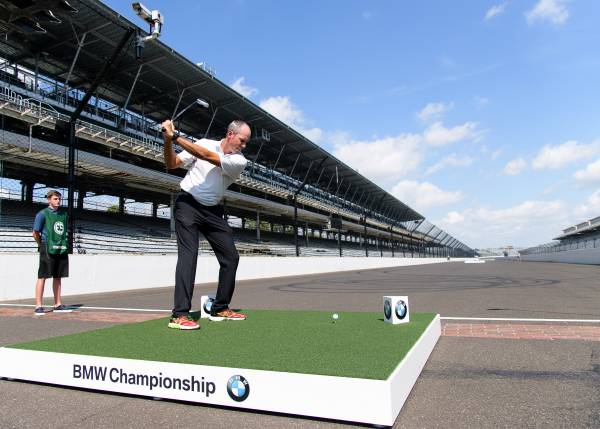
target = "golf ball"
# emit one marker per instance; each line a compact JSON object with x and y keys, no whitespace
{"x":335,"y":316}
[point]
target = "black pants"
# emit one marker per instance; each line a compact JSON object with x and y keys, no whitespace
{"x":191,"y":219}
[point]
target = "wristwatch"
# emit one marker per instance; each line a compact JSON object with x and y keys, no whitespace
{"x":175,"y":135}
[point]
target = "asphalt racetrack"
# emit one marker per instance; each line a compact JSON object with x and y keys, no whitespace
{"x":489,"y":369}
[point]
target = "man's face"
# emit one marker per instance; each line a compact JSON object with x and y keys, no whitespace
{"x":236,"y":142}
{"x":54,"y":201}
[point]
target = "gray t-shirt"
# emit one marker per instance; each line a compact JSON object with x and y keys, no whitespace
{"x":205,"y":181}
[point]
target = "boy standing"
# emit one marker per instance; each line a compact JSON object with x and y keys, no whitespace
{"x":50,"y":233}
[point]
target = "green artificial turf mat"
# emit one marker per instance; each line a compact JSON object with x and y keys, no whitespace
{"x":358,"y":345}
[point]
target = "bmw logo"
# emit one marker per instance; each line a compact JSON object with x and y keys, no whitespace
{"x":238,"y":388}
{"x":401,"y":309}
{"x":387,"y":309}
{"x":208,"y":304}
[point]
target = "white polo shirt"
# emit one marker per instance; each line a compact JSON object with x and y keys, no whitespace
{"x":205,"y":181}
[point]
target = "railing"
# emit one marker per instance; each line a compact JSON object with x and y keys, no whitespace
{"x":11,"y":194}
{"x":93,"y":240}
{"x":589,"y":243}
{"x":38,"y":114}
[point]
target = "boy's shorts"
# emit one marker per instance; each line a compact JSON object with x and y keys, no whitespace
{"x":52,"y":266}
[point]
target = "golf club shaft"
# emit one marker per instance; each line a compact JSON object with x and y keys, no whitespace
{"x":178,"y":115}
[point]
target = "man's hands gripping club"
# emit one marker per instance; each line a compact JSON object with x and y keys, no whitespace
{"x":172,"y":160}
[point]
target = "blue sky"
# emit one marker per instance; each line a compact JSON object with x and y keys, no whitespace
{"x":483,"y":116}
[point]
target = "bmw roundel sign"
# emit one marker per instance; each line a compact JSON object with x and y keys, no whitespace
{"x":208,"y":304}
{"x":238,"y":388}
{"x":396,"y":309}
{"x":401,"y":309}
{"x":387,"y":309}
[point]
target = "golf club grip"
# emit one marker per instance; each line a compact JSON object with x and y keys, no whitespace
{"x":162,"y":129}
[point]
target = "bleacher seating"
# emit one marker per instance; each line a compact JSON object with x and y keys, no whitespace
{"x":103,"y":232}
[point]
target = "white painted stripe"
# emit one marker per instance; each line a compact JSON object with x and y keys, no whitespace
{"x":484,"y":319}
{"x":507,"y":319}
{"x":150,"y":310}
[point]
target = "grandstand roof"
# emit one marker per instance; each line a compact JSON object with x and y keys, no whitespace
{"x":167,"y":81}
{"x":583,"y":228}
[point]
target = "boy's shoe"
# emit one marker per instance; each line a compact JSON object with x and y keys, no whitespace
{"x":227,"y":314}
{"x":39,"y":311}
{"x":185,"y":323}
{"x":62,"y":309}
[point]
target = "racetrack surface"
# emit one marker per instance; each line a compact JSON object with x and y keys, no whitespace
{"x":522,"y":378}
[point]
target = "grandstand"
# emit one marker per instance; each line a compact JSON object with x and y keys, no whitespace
{"x":506,"y":251}
{"x":579,"y":244}
{"x":293,"y":199}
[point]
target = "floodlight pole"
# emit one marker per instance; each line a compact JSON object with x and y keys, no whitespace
{"x":71,"y":130}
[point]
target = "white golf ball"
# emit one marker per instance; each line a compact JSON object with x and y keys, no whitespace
{"x":335,"y":316}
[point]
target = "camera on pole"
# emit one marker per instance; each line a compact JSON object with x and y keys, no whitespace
{"x":152,"y":17}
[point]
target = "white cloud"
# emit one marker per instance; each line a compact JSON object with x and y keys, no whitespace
{"x":246,"y":90}
{"x":514,"y":167}
{"x":283,"y":108}
{"x":589,"y":175}
{"x":424,"y":195}
{"x":313,"y":134}
{"x":553,"y":11}
{"x":434,"y":110}
{"x":496,"y":154}
{"x":389,"y":159}
{"x":451,"y":160}
{"x":339,"y":138}
{"x":589,"y":209}
{"x":438,"y":135}
{"x":454,"y":217}
{"x":526,"y":224}
{"x":382,"y":160}
{"x":495,"y":11}
{"x":559,"y":156}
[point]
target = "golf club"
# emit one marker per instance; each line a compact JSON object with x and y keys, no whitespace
{"x":197,"y":101}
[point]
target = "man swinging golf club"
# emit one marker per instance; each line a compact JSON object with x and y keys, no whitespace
{"x":212,"y":166}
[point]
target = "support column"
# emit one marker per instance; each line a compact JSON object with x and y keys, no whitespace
{"x":81,"y":194}
{"x":154,"y":209}
{"x":121,"y":205}
{"x":27,"y":191}
{"x":366,"y":238}
{"x":306,"y":232}
{"x":258,"y":225}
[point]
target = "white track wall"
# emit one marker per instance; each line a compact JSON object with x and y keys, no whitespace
{"x":575,"y":256}
{"x":110,"y":273}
